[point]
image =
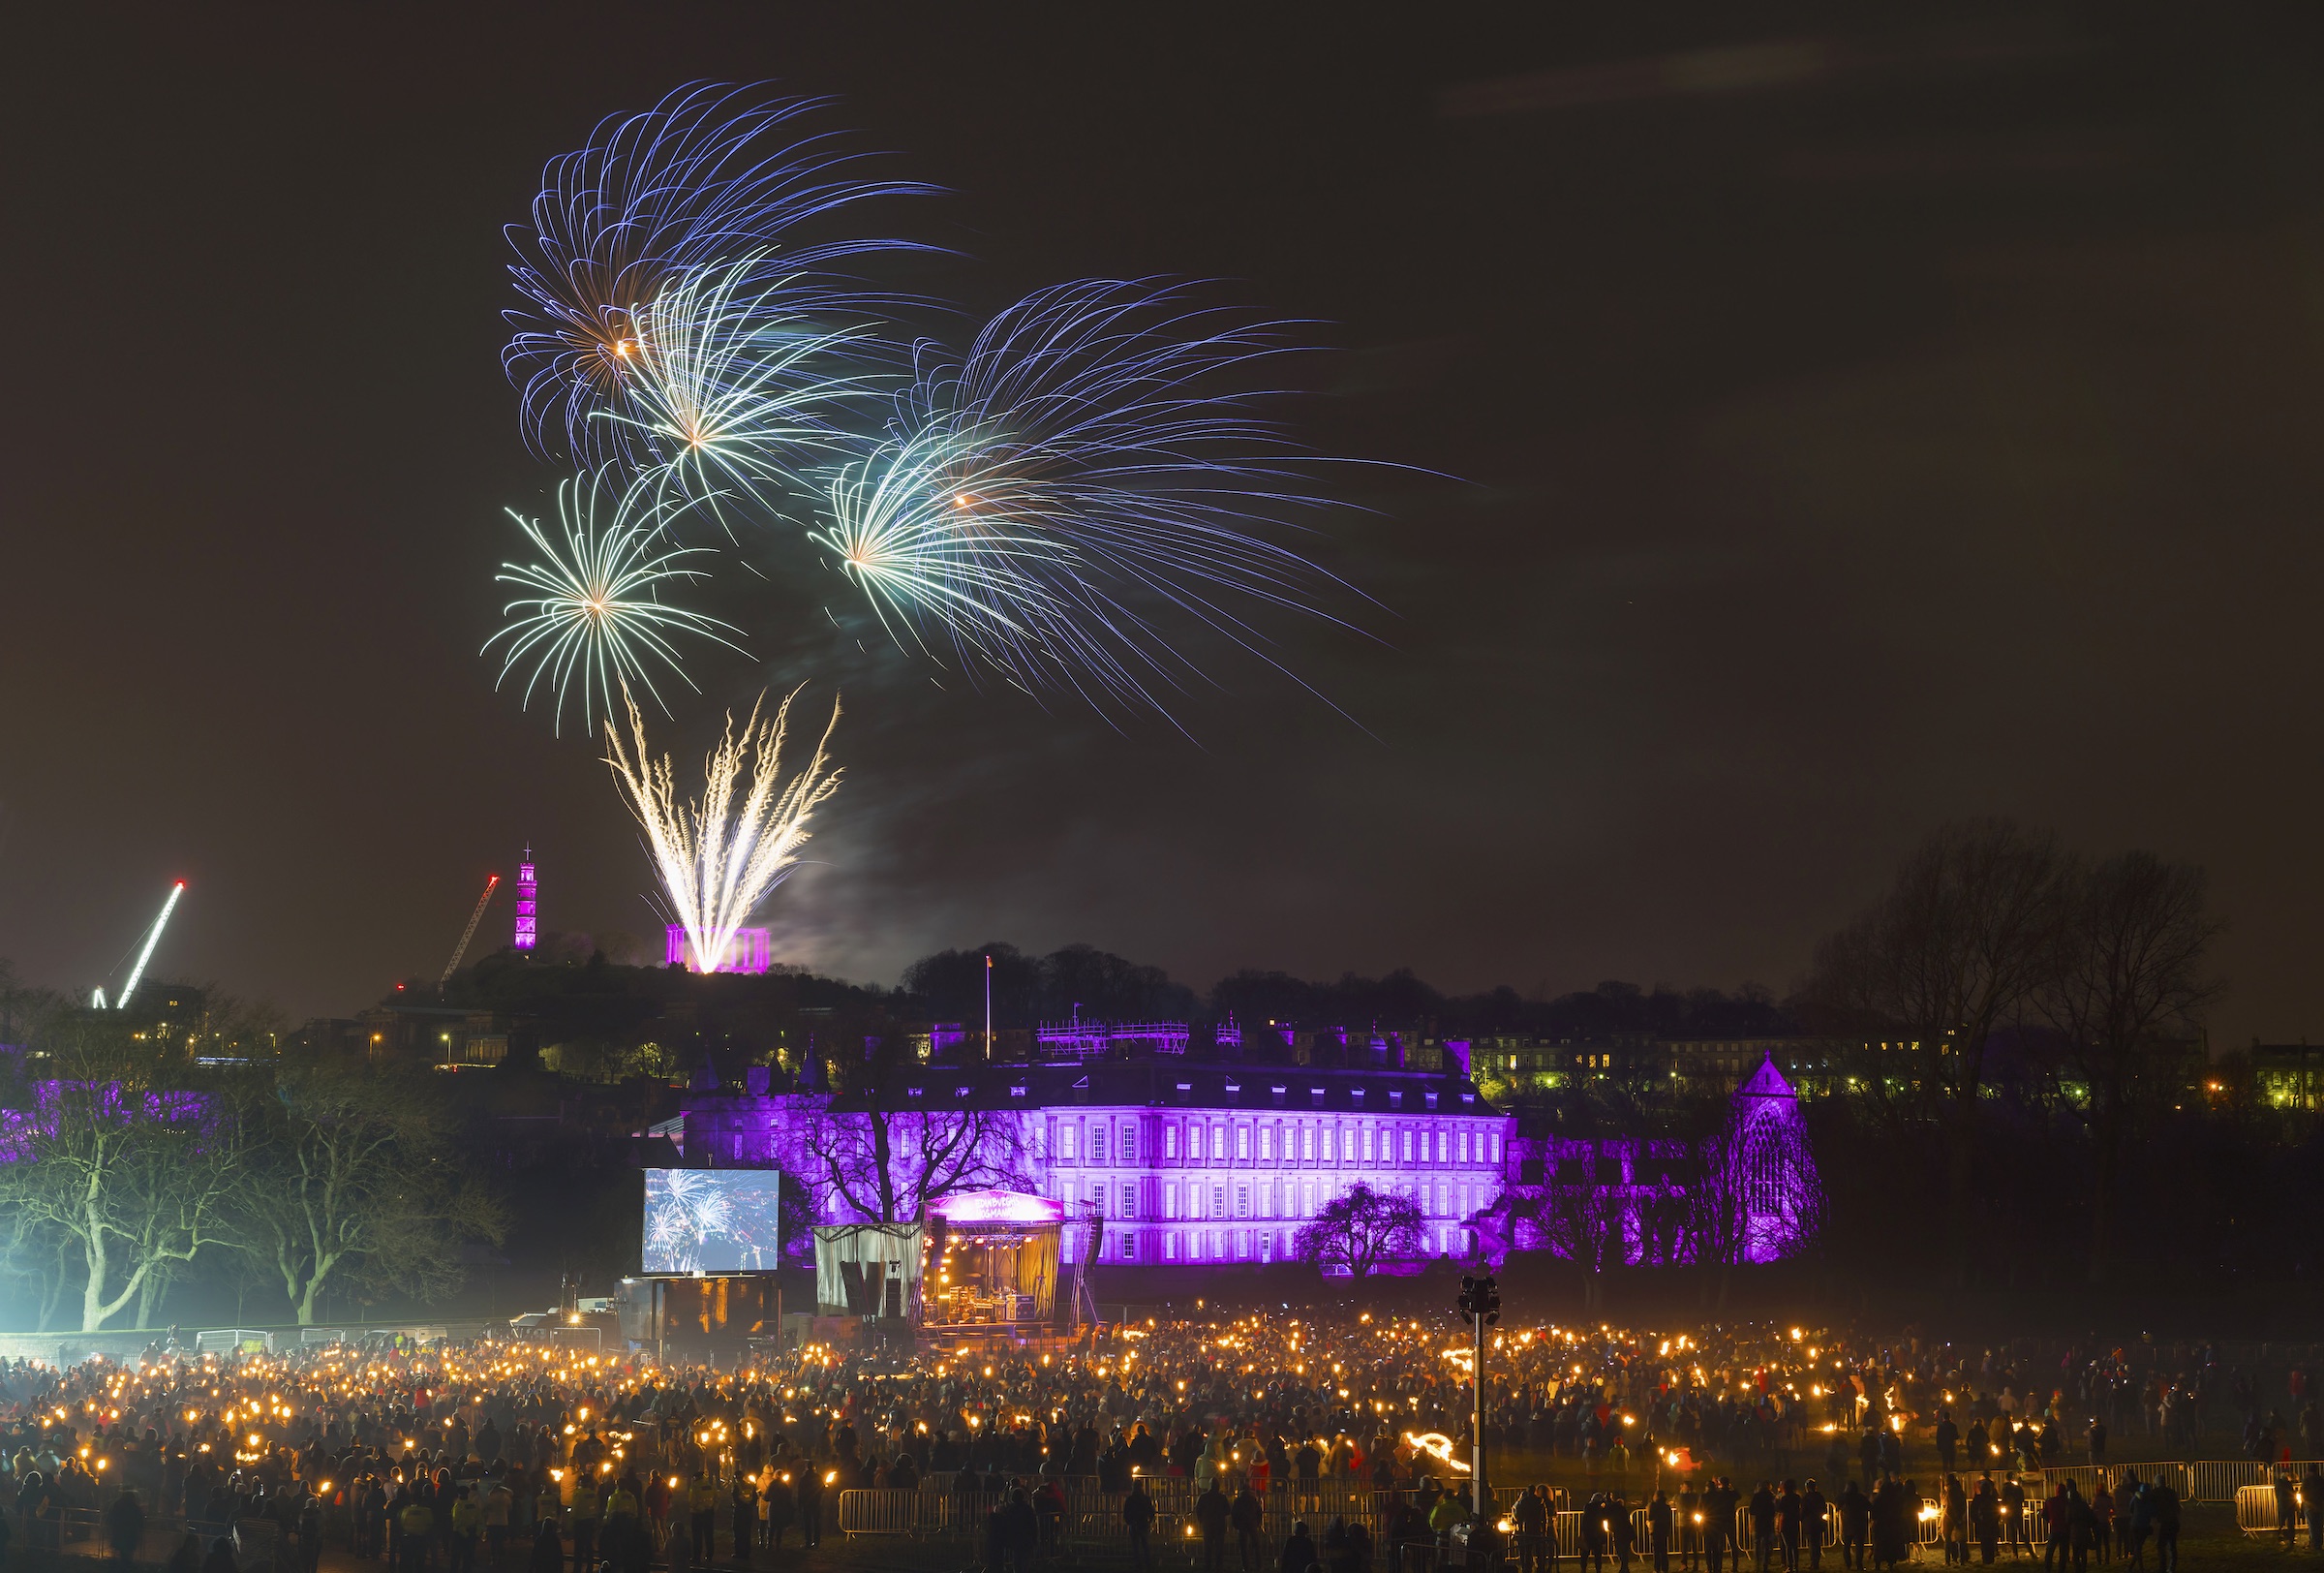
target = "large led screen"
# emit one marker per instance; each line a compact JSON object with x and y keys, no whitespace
{"x":710,"y":1220}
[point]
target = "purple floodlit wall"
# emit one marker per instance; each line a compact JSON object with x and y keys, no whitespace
{"x":1175,"y":1184}
{"x":751,"y":952}
{"x":528,"y":905}
{"x":17,"y":1127}
{"x":1774,"y":1172}
{"x":1650,"y":1202}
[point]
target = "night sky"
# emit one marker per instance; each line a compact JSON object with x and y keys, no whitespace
{"x":1845,"y":419}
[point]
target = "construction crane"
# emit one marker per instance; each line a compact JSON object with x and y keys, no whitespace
{"x":153,"y":937}
{"x":469,"y":933}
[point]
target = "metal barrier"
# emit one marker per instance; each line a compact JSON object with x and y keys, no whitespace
{"x":2202,"y":1480}
{"x":2255,"y":1510}
{"x":2221,"y":1480}
{"x":2087,"y":1478}
{"x":895,"y":1512}
{"x":1093,"y":1516}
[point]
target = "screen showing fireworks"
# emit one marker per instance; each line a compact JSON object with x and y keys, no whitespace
{"x":710,"y":1220}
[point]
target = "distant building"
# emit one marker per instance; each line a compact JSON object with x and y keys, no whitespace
{"x":2288,"y":1075}
{"x":749,"y":952}
{"x":447,"y":1037}
{"x":1721,"y":1065}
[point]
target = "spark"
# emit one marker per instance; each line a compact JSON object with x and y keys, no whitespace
{"x":719,"y":857}
{"x":713,"y":171}
{"x":1091,"y":473}
{"x":597,"y":614}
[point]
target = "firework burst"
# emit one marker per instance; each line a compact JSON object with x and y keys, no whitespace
{"x":720,"y":855}
{"x":712,"y":173}
{"x":596,"y":617}
{"x":1093,"y":470}
{"x":729,"y":395}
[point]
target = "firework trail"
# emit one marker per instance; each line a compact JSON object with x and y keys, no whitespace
{"x":730,"y":395}
{"x":1091,"y":471}
{"x":596,"y":614}
{"x":711,"y":174}
{"x":722,"y":855}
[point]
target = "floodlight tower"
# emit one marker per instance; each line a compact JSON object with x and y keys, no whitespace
{"x":527,"y":899}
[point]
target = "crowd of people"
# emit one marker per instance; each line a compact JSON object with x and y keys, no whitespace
{"x":501,"y":1454}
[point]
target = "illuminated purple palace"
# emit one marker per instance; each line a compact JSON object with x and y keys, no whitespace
{"x":528,"y":904}
{"x":1189,"y":1162}
{"x":1220,"y":1161}
{"x":750,"y":951}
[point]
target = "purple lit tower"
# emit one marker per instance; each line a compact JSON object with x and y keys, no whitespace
{"x":1775,"y":1179}
{"x":528,"y":901}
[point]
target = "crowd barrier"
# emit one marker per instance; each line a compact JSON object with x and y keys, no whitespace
{"x":2203,"y":1480}
{"x":2221,"y":1480}
{"x":2255,"y":1511}
{"x":1094,"y":1517}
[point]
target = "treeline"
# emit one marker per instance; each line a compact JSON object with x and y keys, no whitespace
{"x":1029,"y":990}
{"x":595,"y":1005}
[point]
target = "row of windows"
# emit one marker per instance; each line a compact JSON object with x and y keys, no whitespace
{"x":1202,"y":1143}
{"x":1275,"y":1199}
{"x":1234,"y":1245}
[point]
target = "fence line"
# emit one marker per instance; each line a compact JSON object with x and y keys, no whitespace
{"x":2199,"y":1480}
{"x":1093,"y":1516}
{"x":2256,"y":1513}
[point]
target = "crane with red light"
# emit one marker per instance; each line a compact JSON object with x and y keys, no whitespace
{"x":468,"y":934}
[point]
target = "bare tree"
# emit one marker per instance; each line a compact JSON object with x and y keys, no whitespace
{"x":1955,"y":950}
{"x":355,"y":1179}
{"x":2125,"y":996}
{"x":887,"y":1164}
{"x":1581,"y":1218}
{"x":1718,"y":1212}
{"x":1361,"y":1229}
{"x":120,"y":1159}
{"x":887,"y":1155}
